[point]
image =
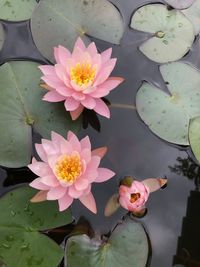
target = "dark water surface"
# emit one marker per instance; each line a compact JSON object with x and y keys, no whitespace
{"x":134,"y":150}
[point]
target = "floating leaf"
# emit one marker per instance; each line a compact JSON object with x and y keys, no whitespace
{"x":62,"y":21}
{"x":193,"y":14}
{"x":168,"y":115}
{"x":180,"y":4}
{"x":16,"y":10}
{"x":21,"y":109}
{"x":127,"y":246}
{"x":194,"y":136}
{"x":21,"y":244}
{"x":173,"y":33}
{"x":2,"y":36}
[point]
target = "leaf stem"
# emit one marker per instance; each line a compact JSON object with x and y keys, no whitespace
{"x":124,"y":106}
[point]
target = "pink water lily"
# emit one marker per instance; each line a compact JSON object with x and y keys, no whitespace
{"x":80,"y":78}
{"x":67,"y":170}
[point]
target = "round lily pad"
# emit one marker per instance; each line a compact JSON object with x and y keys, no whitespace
{"x":2,"y":36}
{"x":168,"y":114}
{"x":23,"y":110}
{"x":60,"y":22}
{"x":127,"y":246}
{"x":21,"y":244}
{"x":16,"y":10}
{"x":194,"y":137}
{"x":172,"y":33}
{"x":193,"y":14}
{"x":180,"y":4}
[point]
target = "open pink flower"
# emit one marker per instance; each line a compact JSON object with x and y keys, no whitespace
{"x":67,"y":170}
{"x":80,"y":78}
{"x":133,"y":198}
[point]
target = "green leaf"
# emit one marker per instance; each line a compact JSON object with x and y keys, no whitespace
{"x":127,"y":246}
{"x":168,"y":115}
{"x":180,"y":4}
{"x":2,"y":36}
{"x":193,"y":14}
{"x":60,"y":22}
{"x":173,"y":33}
{"x":194,"y":137}
{"x":22,"y":109}
{"x":21,"y":244}
{"x":16,"y":10}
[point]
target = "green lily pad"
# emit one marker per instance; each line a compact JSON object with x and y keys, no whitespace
{"x":60,"y":22}
{"x":173,"y":33}
{"x":21,"y":244}
{"x":23,"y":110}
{"x":127,"y":246}
{"x":194,"y":137}
{"x":2,"y":36}
{"x":180,"y":4}
{"x":16,"y":10}
{"x":168,"y":115}
{"x":193,"y":14}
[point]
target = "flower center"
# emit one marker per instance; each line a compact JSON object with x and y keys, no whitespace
{"x":68,"y":168}
{"x":82,"y":73}
{"x":134,"y":197}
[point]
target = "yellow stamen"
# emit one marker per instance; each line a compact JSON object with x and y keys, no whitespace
{"x":68,"y":168}
{"x":83,"y":73}
{"x":134,"y":197}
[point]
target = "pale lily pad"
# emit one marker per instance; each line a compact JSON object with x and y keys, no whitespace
{"x":173,"y":33}
{"x":193,"y":14}
{"x":168,"y":115}
{"x":61,"y":22}
{"x":194,"y":137}
{"x":21,"y":244}
{"x":22,"y":109}
{"x":16,"y":10}
{"x":180,"y":4}
{"x":2,"y":36}
{"x":127,"y":246}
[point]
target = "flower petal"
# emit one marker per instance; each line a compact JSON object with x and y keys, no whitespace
{"x":76,"y":113}
{"x":49,"y":147}
{"x":105,"y":72}
{"x":89,"y":202}
{"x":52,"y":81}
{"x":50,"y":180}
{"x":41,"y":152}
{"x":81,"y":184}
{"x":65,"y":202}
{"x":100,"y":152}
{"x":63,"y":55}
{"x":64,"y":90}
{"x":85,"y":143}
{"x":73,"y":139}
{"x":39,"y":197}
{"x":74,"y":193}
{"x":106,"y":55}
{"x":101,"y":108}
{"x":53,"y":96}
{"x":47,"y":69}
{"x":79,"y":44}
{"x":38,"y":185}
{"x":71,"y":104}
{"x":40,"y":168}
{"x":104,"y":174}
{"x":89,"y":102}
{"x":91,"y":49}
{"x":56,"y":193}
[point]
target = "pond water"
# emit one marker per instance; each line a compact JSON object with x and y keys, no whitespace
{"x":173,"y":217}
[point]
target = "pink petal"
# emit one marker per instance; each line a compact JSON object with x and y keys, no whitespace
{"x":52,"y":81}
{"x":38,"y":185}
{"x":63,"y":55}
{"x":74,"y":193}
{"x":78,"y":96}
{"x":50,"y":180}
{"x":104,"y":175}
{"x":40,"y":168}
{"x":105,"y":72}
{"x":71,"y":104}
{"x":53,"y":96}
{"x":76,"y":113}
{"x":65,"y":202}
{"x":86,"y":155}
{"x":49,"y":147}
{"x":91,"y":49}
{"x":89,"y":102}
{"x":79,"y":44}
{"x":52,"y":159}
{"x":105,"y":55}
{"x":57,"y":138}
{"x":100,"y":152}
{"x":41,"y":152}
{"x":61,"y":73}
{"x":39,"y":197}
{"x":85,"y":143}
{"x":66,"y":147}
{"x":101,"y":108}
{"x":56,"y":193}
{"x":81,"y":184}
{"x":73,"y":139}
{"x":89,"y":202}
{"x":65,"y":91}
{"x":47,"y":69}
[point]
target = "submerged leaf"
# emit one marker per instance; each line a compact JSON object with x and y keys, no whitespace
{"x":194,"y":137}
{"x":180,"y":4}
{"x":21,"y":243}
{"x":127,"y":246}
{"x":173,"y":33}
{"x":168,"y":115}
{"x":22,"y":109}
{"x":16,"y":10}
{"x":62,"y":21}
{"x":193,"y":14}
